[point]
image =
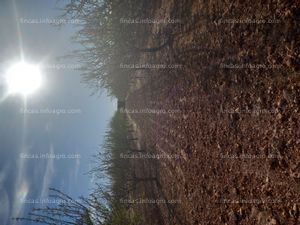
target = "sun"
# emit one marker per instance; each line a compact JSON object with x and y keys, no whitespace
{"x":23,"y":78}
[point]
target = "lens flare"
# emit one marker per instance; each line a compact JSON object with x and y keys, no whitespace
{"x":23,"y":78}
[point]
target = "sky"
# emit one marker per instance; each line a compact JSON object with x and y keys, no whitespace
{"x":61,"y":118}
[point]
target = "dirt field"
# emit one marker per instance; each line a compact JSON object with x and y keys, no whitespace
{"x":224,"y":113}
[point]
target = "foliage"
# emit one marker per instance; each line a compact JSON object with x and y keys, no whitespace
{"x":107,"y":41}
{"x":109,"y":161}
{"x":99,"y":208}
{"x":103,"y":205}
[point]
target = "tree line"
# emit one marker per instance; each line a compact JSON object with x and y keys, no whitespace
{"x":107,"y":43}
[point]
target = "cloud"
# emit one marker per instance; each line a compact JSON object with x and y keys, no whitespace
{"x":3,"y":174}
{"x":77,"y":165}
{"x":19,"y":197}
{"x":21,"y":187}
{"x":73,"y":175}
{"x":48,"y":174}
{"x":48,"y":127}
{"x":5,"y":205}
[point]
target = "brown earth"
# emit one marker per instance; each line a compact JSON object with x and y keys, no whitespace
{"x":229,"y":129}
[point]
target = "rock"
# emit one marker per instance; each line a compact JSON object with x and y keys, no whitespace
{"x":232,"y":218}
{"x":265,"y":218}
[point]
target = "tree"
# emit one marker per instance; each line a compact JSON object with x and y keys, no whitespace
{"x":68,"y":211}
{"x":98,"y":209}
{"x":108,"y":41}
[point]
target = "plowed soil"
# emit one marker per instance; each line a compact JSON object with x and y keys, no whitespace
{"x":224,"y":113}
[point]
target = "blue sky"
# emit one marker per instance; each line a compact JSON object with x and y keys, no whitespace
{"x":27,"y":132}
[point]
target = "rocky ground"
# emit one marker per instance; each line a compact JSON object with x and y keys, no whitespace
{"x":224,"y":114}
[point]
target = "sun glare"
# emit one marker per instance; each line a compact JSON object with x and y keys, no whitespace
{"x":23,"y":78}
